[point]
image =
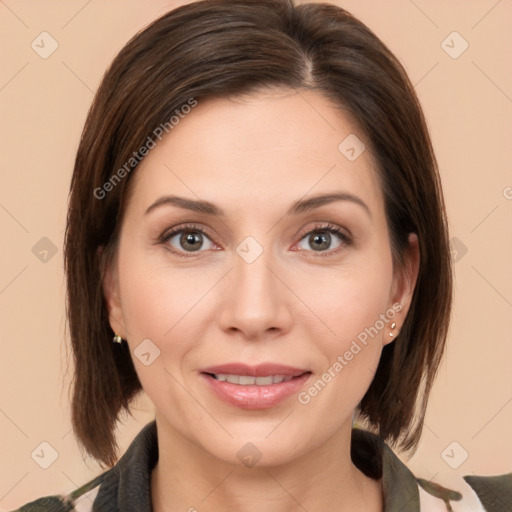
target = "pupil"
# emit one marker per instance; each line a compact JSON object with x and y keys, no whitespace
{"x":189,"y":239}
{"x":323,"y":239}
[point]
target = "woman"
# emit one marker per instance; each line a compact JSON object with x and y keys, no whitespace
{"x":257,"y":239}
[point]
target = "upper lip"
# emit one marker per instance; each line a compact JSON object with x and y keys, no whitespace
{"x":260,"y":370}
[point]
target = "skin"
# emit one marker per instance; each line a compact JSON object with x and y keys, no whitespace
{"x":253,"y":157}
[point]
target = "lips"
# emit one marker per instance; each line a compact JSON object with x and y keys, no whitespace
{"x":254,"y":387}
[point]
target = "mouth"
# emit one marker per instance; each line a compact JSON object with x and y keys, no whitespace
{"x":248,"y":380}
{"x":254,"y":387}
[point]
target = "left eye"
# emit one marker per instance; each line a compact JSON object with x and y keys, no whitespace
{"x":321,"y":238}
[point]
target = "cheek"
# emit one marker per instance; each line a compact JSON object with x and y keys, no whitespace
{"x":159,"y":304}
{"x":353,"y":299}
{"x":155,"y":296}
{"x":355,"y":305}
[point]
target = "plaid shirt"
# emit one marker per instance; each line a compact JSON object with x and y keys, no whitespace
{"x":126,"y":486}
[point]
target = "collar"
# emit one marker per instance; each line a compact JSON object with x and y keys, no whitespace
{"x":126,"y":486}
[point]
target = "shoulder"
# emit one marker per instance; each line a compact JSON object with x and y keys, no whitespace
{"x":125,"y":487}
{"x":471,"y":494}
{"x":402,"y":490}
{"x":79,"y":500}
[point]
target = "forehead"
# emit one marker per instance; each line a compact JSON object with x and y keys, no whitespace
{"x":263,"y":149}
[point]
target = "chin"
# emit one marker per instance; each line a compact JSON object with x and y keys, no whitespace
{"x":257,"y":447}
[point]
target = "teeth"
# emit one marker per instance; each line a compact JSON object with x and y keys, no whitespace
{"x":247,"y":380}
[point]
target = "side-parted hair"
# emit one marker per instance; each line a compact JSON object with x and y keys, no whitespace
{"x":227,"y":48}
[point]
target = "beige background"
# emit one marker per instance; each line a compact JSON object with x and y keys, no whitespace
{"x":43,"y":103}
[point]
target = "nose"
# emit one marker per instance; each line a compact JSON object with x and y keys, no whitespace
{"x":256,"y":302}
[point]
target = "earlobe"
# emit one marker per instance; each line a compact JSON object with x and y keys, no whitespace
{"x":110,"y":288}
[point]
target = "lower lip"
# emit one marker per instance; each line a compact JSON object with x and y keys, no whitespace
{"x":253,"y":396}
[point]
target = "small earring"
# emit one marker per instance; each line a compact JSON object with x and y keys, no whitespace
{"x":117,"y":339}
{"x":393,"y":325}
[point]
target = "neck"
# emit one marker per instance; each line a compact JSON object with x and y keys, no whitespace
{"x":187,"y":479}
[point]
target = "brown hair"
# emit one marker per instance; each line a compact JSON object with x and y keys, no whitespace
{"x":223,"y":48}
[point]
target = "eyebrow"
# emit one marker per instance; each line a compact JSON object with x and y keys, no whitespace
{"x":300,"y":206}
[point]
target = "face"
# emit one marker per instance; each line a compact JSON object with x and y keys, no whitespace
{"x":263,"y":321}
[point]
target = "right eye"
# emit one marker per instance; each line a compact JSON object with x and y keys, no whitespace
{"x":186,"y":239}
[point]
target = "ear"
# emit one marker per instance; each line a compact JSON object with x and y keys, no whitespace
{"x":110,"y":284}
{"x":404,"y":283}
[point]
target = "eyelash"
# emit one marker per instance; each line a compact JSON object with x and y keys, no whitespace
{"x":320,"y":228}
